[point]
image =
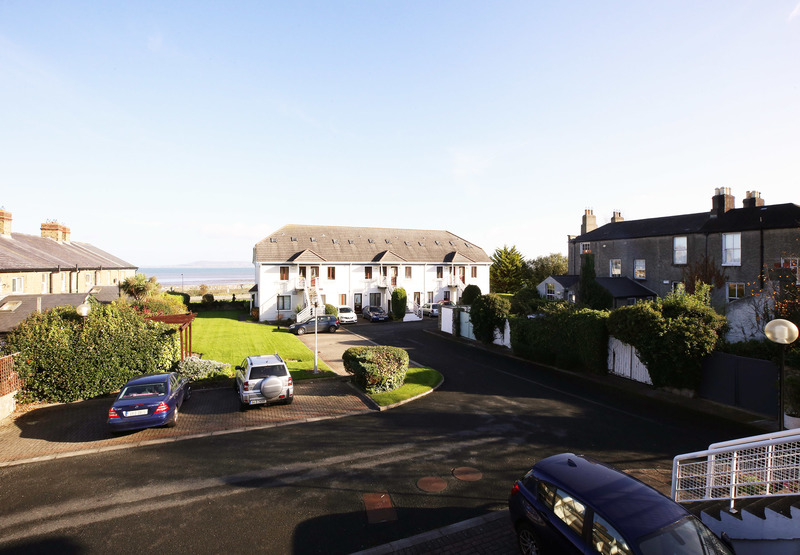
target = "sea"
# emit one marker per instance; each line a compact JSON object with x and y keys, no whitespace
{"x":192,"y":277}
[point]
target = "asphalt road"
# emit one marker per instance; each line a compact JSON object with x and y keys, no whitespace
{"x":302,"y":489}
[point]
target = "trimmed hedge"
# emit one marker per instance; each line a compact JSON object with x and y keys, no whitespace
{"x":376,"y":369}
{"x":573,"y":339}
{"x":64,"y":358}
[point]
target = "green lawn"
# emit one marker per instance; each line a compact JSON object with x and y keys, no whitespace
{"x":418,"y":381}
{"x":221,"y":336}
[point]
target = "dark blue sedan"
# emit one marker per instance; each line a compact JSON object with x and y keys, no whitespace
{"x":572,"y":504}
{"x":147,"y":401}
{"x":374,"y":314}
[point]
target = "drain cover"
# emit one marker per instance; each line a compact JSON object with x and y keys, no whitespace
{"x":431,"y":484}
{"x":467,"y":474}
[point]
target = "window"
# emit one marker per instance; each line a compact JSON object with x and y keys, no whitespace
{"x":408,"y":272}
{"x":17,"y":285}
{"x":87,"y":277}
{"x":474,"y":272}
{"x":343,"y":299}
{"x":731,"y":249}
{"x":331,"y":272}
{"x":284,"y":302}
{"x":792,"y":264}
{"x":606,"y":540}
{"x":439,"y":272}
{"x":375,"y":299}
{"x":586,"y":248}
{"x":550,"y":291}
{"x":615,"y":267}
{"x":44,"y":283}
{"x":679,"y":250}
{"x":570,"y":510}
{"x":430,"y":296}
{"x":678,"y":287}
{"x":638,"y":269}
{"x":447,"y":295}
{"x":284,"y":273}
{"x":368,"y":272}
{"x":735,"y":291}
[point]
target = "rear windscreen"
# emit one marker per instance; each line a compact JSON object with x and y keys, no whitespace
{"x":259,"y":372}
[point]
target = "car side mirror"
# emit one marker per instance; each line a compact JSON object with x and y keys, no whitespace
{"x":239,"y":368}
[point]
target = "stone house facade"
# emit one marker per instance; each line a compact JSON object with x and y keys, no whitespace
{"x":749,"y":246}
{"x":361,"y":266}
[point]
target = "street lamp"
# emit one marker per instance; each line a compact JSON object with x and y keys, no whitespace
{"x":83,"y":310}
{"x":784,"y":333}
{"x":316,"y":304}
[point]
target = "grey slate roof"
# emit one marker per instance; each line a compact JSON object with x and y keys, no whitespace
{"x":29,"y":304}
{"x":337,"y":244}
{"x":21,"y":252}
{"x":619,"y":287}
{"x":776,"y":216}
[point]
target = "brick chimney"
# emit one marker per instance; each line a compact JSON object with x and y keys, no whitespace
{"x":64,"y":231}
{"x":52,"y":230}
{"x":617,"y":217}
{"x":752,"y":199}
{"x":5,"y":223}
{"x":721,"y":202}
{"x":589,"y":221}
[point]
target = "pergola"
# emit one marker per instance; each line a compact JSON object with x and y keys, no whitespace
{"x":184,"y":322}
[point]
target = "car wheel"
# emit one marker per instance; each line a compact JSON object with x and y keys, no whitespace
{"x":301,"y":331}
{"x":288,"y":401}
{"x":331,"y":329}
{"x":527,"y":540}
{"x":174,"y":420}
{"x":187,"y":393}
{"x":243,"y":406}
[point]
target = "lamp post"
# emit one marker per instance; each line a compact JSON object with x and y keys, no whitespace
{"x":784,"y":333}
{"x":83,"y":310}
{"x":182,"y":283}
{"x":316,"y":304}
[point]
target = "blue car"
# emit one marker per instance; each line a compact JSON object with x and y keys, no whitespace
{"x":572,"y":504}
{"x":147,"y":401}
{"x":374,"y":314}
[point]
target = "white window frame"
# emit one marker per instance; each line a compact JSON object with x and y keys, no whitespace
{"x":639,"y":269}
{"x":586,"y":248}
{"x":282,"y":300}
{"x":615,"y":267}
{"x":17,"y":285}
{"x":680,"y":250}
{"x":792,"y":264}
{"x":739,"y":290}
{"x":550,"y":291}
{"x":732,"y":249}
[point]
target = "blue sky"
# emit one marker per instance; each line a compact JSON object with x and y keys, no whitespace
{"x":170,"y":132}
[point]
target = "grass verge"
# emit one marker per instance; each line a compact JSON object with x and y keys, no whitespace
{"x":418,"y":381}
{"x":230,"y":336}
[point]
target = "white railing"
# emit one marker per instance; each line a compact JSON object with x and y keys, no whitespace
{"x":758,"y":466}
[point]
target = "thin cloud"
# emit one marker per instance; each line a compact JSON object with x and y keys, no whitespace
{"x":795,"y":13}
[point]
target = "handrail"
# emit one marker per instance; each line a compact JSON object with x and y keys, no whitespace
{"x":757,"y":466}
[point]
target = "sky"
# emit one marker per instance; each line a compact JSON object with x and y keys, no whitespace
{"x":181,"y":131}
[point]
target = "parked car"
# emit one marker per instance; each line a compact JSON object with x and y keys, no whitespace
{"x":374,"y":314}
{"x":430,"y":309}
{"x":326,"y":322}
{"x":263,"y":379}
{"x":572,"y":504}
{"x":149,"y":400}
{"x":347,"y":315}
{"x":447,"y":303}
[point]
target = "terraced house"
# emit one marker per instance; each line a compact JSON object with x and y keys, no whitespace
{"x":752,"y":247}
{"x":49,"y":270}
{"x":300,"y":265}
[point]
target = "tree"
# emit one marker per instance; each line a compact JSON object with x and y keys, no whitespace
{"x":590,"y":293}
{"x":507,"y":270}
{"x":399,"y":303}
{"x":139,"y":287}
{"x":471,"y":292}
{"x":704,"y":270}
{"x":554,"y":264}
{"x":488,"y":312}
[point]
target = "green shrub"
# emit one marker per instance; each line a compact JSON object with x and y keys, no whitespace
{"x":195,"y":368}
{"x":376,"y":369}
{"x":65,"y":358}
{"x":399,"y":303}
{"x":524,"y":301}
{"x":160,"y":304}
{"x":208,"y":298}
{"x":563,"y":336}
{"x":488,"y":313}
{"x":471,"y":292}
{"x":330,"y":309}
{"x":185,"y":298}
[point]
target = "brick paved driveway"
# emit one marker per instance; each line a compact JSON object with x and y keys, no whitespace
{"x":62,"y":430}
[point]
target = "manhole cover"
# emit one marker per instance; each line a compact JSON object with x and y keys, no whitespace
{"x":431,"y":484}
{"x":467,"y":474}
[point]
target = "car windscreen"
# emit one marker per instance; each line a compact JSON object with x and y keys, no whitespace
{"x":434,"y":306}
{"x":143,"y":390}
{"x":376,"y":309}
{"x":260,"y":372}
{"x":686,"y":536}
{"x":345,"y":310}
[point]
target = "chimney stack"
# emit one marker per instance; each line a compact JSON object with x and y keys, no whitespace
{"x":721,"y":202}
{"x":589,"y":221}
{"x":752,"y":199}
{"x":64,"y":232}
{"x":617,"y":217}
{"x":5,"y":223}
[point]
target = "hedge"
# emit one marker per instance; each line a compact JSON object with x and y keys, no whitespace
{"x":376,"y":369}
{"x":64,"y":358}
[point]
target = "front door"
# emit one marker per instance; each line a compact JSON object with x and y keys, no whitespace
{"x":357,"y":303}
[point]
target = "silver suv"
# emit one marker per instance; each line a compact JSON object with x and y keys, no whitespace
{"x":263,"y":379}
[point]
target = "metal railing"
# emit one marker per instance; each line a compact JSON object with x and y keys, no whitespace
{"x":9,"y":379}
{"x":759,"y":466}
